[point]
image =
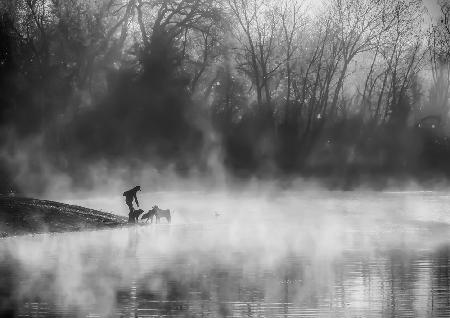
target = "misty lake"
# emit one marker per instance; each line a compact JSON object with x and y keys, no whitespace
{"x":318,"y":254}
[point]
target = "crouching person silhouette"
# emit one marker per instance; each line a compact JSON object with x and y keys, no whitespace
{"x":129,"y":196}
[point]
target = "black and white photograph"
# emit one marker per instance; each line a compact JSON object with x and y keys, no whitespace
{"x":224,"y":158}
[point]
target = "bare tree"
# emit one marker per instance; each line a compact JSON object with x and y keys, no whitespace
{"x":402,"y":55}
{"x":439,"y":48}
{"x":174,"y":17}
{"x":293,"y":19}
{"x":257,"y":33}
{"x":359,"y":23}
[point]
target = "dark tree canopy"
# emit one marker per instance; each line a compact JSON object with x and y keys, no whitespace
{"x":276,"y":87}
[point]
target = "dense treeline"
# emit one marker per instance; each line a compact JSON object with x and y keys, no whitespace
{"x":346,"y":89}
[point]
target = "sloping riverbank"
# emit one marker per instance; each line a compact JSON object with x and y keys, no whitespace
{"x":20,"y":216}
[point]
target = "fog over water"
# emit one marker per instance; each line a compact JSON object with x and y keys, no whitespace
{"x":271,"y":254}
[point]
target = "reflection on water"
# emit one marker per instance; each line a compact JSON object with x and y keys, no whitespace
{"x":340,"y":264}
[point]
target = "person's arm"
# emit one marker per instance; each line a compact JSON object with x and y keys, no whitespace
{"x":136,"y":200}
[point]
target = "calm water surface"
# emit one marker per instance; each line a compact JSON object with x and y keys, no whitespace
{"x":315,"y":255}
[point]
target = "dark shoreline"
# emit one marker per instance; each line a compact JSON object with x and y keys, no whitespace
{"x":21,"y":216}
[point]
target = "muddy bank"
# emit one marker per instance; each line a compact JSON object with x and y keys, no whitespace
{"x":20,"y":216}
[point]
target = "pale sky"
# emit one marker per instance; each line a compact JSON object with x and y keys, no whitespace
{"x":433,"y":8}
